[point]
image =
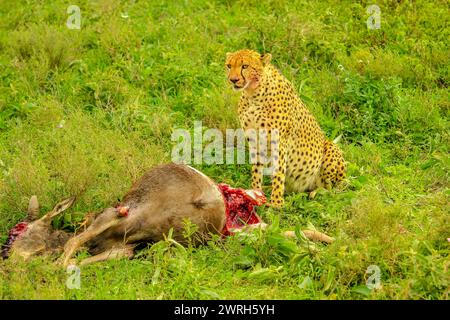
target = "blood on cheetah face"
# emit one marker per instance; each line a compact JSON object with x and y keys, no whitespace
{"x":245,"y":68}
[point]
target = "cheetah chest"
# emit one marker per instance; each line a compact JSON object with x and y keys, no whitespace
{"x":253,"y":117}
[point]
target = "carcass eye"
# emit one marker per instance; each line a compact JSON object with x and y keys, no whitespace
{"x":244,"y":66}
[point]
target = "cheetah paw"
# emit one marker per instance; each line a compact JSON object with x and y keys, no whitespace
{"x":312,"y":195}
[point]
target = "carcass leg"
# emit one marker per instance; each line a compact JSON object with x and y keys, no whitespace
{"x":105,"y":221}
{"x":126,"y":251}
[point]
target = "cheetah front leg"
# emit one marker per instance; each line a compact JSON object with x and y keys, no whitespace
{"x":259,"y":158}
{"x":257,"y":175}
{"x":279,"y":171}
{"x":257,"y":165}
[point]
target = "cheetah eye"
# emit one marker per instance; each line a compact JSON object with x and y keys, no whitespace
{"x":229,"y":66}
{"x":244,"y":66}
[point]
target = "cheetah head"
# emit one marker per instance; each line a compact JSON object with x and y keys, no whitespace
{"x":245,"y":68}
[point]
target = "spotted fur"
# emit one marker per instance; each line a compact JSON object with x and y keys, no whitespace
{"x":307,"y":160}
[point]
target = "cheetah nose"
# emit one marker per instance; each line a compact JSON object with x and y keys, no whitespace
{"x":234,"y":80}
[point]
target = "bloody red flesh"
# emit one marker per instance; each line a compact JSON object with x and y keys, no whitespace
{"x":122,"y":211}
{"x":240,"y":207}
{"x":15,"y":233}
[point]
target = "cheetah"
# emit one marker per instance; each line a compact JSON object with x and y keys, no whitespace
{"x":307,"y":160}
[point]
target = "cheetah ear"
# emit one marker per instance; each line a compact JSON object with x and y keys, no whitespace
{"x":229,"y":54}
{"x":265,"y":58}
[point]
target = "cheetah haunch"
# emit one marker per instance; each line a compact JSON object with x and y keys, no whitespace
{"x":307,"y":160}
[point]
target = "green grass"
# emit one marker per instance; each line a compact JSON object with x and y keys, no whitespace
{"x":120,"y":86}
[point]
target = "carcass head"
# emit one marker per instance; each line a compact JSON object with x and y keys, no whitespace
{"x":36,"y":236}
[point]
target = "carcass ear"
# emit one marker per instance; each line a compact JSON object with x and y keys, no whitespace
{"x":33,"y":209}
{"x":265,"y":58}
{"x":60,"y":207}
{"x":63,"y":205}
